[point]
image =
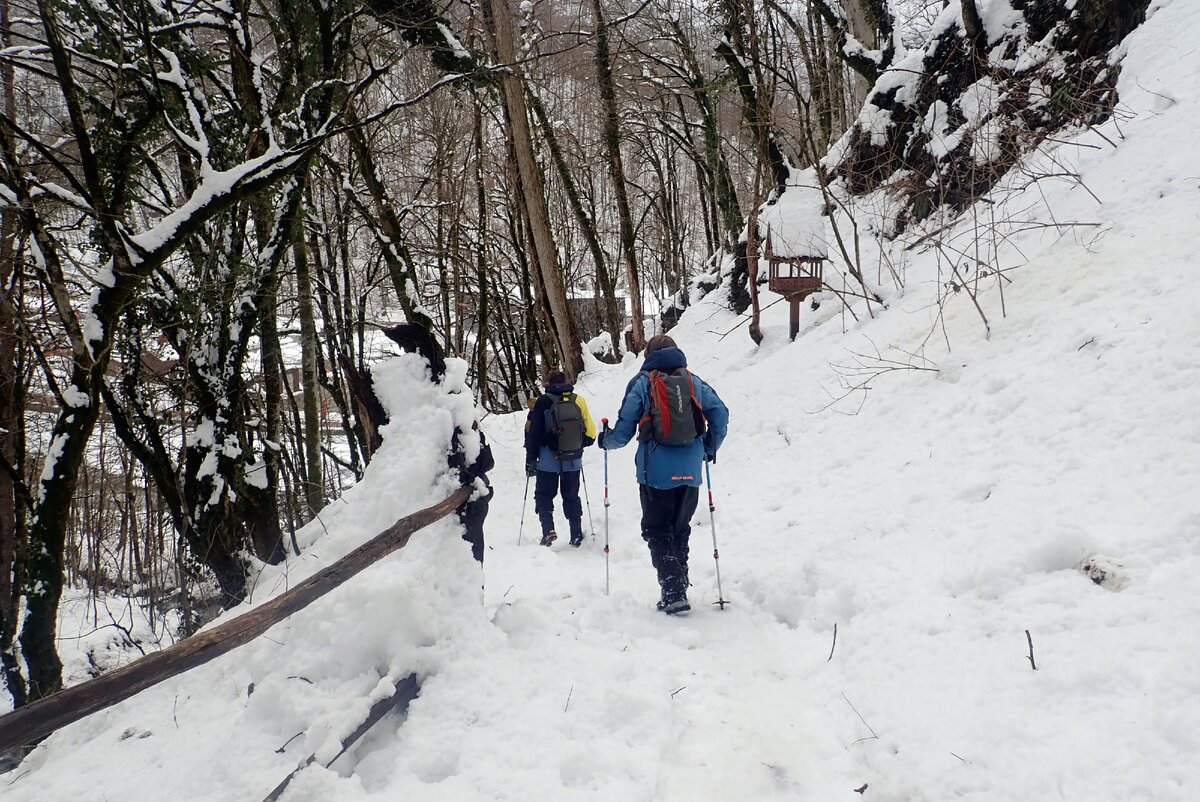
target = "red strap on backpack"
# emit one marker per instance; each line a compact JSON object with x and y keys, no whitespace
{"x":658,"y":395}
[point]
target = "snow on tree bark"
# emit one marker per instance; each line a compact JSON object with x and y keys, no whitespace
{"x":943,"y":124}
{"x":114,"y":140}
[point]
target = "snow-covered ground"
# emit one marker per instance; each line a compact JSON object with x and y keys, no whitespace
{"x":934,"y":519}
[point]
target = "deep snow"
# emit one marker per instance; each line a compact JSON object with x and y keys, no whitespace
{"x":933,"y":518}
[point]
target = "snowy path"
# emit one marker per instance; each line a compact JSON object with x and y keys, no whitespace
{"x":711,"y":705}
{"x":602,"y":697}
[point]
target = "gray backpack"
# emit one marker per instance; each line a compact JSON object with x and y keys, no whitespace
{"x":566,"y":424}
{"x":675,"y":417}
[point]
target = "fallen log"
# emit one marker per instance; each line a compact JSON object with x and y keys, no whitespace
{"x":406,"y":691}
{"x":31,"y":723}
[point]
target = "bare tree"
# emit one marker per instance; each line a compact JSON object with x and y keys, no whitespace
{"x":616,"y":171}
{"x":99,"y":163}
{"x":512,"y":91}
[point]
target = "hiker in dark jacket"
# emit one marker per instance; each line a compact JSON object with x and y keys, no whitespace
{"x":554,"y":468}
{"x":669,"y":475}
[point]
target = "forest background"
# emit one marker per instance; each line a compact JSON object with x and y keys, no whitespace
{"x":211,"y":211}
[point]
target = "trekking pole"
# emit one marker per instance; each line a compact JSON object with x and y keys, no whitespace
{"x":712,"y":518}
{"x":587,"y":497}
{"x":524,"y":506}
{"x":605,"y":422}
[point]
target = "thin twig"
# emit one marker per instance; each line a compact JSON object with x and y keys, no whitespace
{"x":974,"y":299}
{"x":1075,"y":144}
{"x":866,"y":369}
{"x":863,"y":720}
{"x":746,"y":318}
{"x":834,"y":646}
{"x":1029,"y":638}
{"x":283,"y":748}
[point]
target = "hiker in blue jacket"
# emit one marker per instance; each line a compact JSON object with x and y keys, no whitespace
{"x":548,"y":431}
{"x":669,"y":475}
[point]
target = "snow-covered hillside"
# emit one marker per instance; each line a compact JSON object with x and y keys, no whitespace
{"x":934,"y":516}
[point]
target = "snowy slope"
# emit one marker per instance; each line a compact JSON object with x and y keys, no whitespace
{"x":933,"y":518}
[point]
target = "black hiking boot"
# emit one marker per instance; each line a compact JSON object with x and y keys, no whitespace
{"x":674,"y":606}
{"x":548,"y":538}
{"x":577,"y":540}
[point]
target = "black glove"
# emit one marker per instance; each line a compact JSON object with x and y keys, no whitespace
{"x":587,"y":441}
{"x":531,"y":467}
{"x":600,"y":441}
{"x":711,"y":456}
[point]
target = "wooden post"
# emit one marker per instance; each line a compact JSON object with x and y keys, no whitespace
{"x":29,"y":724}
{"x":802,"y":279}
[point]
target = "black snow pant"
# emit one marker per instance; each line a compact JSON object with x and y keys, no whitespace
{"x":666,"y":527}
{"x":548,"y":484}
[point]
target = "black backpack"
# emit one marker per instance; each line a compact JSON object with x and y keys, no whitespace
{"x":566,"y":424}
{"x":675,"y":417}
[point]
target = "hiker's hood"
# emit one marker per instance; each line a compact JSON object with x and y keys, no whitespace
{"x":665,"y":359}
{"x":558,"y":388}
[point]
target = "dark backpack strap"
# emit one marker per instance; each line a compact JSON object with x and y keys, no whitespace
{"x":645,"y":425}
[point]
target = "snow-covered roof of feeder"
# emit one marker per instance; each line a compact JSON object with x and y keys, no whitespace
{"x":795,"y":223}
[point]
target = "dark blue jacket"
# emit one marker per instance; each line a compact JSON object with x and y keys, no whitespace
{"x":541,"y":443}
{"x":659,"y":465}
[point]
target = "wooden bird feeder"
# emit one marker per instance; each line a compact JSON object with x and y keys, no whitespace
{"x":795,"y":278}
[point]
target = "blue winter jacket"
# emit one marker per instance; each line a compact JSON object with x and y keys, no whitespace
{"x":659,"y":465}
{"x":540,"y":441}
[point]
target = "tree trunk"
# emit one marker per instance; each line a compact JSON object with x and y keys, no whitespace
{"x":314,"y":485}
{"x":483,"y":310}
{"x":752,"y":276}
{"x":724,"y":189}
{"x":868,"y":22}
{"x":537,"y":327}
{"x":48,"y":533}
{"x":268,"y":533}
{"x":336,"y":332}
{"x":860,"y":25}
{"x":512,"y":92}
{"x":12,"y":421}
{"x":1067,"y":45}
{"x":616,"y":171}
{"x":396,"y":255}
{"x":604,"y":282}
{"x":820,"y":109}
{"x":739,"y":49}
